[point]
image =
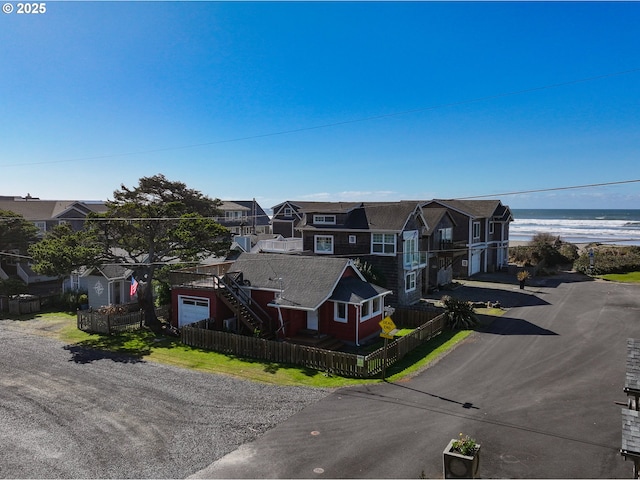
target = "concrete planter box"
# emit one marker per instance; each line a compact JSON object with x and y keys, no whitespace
{"x":456,"y":465}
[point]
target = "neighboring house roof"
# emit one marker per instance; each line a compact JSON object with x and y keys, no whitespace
{"x":43,"y":210}
{"x":110,"y":272}
{"x":306,"y":282}
{"x":262,"y":218}
{"x":379,"y":216}
{"x":433,"y":216}
{"x":319,"y":207}
{"x":476,"y":208}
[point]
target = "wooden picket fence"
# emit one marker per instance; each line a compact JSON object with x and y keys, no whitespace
{"x":339,"y":363}
{"x":95,"y":322}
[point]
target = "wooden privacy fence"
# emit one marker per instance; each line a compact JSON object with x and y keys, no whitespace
{"x":340,"y":363}
{"x":24,"y":304}
{"x":95,"y":322}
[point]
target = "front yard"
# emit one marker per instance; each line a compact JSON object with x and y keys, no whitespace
{"x":146,"y":346}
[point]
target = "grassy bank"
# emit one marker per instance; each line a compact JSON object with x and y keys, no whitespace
{"x":146,"y":346}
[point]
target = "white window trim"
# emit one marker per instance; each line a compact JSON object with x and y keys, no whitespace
{"x":372,"y":311}
{"x":315,"y":244}
{"x":492,"y":227}
{"x":352,"y":239}
{"x":384,"y":242}
{"x":412,"y":279}
{"x":42,"y":226}
{"x":336,"y":316}
{"x":324,"y":219}
{"x":288,"y":212}
{"x":476,"y":226}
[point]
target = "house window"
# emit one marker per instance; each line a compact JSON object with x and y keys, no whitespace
{"x":41,"y":226}
{"x":352,"y":239}
{"x":410,"y":249}
{"x":365,"y":311}
{"x":445,"y":234}
{"x":376,"y":306}
{"x":476,"y":230}
{"x":325,"y":219}
{"x":383,"y":243}
{"x":410,"y":282}
{"x":491,"y":227}
{"x":323,"y":244}
{"x":340,"y":312}
{"x":288,"y":212}
{"x":235,"y":215}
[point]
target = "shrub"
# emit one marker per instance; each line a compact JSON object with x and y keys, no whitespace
{"x":459,"y":314}
{"x":13,"y":286}
{"x":609,"y":259}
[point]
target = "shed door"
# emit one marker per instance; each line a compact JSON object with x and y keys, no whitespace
{"x":192,"y":309}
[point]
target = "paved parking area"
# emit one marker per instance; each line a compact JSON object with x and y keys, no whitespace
{"x":538,"y":389}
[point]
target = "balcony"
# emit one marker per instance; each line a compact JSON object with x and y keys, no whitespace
{"x":413,"y":260}
{"x":278,"y":246}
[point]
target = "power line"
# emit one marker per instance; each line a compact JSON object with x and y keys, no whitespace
{"x":554,"y":189}
{"x":335,"y":124}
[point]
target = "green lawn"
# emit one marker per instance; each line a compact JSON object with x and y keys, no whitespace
{"x":146,"y":346}
{"x":631,"y":277}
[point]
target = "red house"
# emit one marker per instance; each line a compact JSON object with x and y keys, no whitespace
{"x":282,"y":296}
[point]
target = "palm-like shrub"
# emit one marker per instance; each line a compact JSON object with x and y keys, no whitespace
{"x":459,"y":313}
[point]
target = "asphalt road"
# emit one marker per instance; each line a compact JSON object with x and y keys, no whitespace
{"x":537,"y":388}
{"x":68,"y":413}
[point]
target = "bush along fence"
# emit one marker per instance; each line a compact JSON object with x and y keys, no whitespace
{"x":96,"y":322}
{"x":339,"y":363}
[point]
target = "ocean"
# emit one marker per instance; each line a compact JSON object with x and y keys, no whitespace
{"x":620,"y":227}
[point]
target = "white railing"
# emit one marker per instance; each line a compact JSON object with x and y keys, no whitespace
{"x":278,"y":246}
{"x":414,"y":260}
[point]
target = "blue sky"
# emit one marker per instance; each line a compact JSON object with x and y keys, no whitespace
{"x":324,"y":101}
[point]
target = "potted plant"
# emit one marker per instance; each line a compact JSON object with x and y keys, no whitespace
{"x":522,"y":278}
{"x":461,"y":458}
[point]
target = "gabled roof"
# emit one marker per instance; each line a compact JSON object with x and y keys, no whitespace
{"x":110,"y":272}
{"x":433,"y":216}
{"x":42,"y":210}
{"x":390,"y":216}
{"x":320,"y":207}
{"x":354,"y":290}
{"x":378,"y":216}
{"x":306,"y":282}
{"x":476,"y":208}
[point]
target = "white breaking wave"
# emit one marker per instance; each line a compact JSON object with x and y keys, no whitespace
{"x":578,"y":231}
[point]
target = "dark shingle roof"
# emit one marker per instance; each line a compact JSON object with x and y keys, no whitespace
{"x":474,"y":208}
{"x":306,"y":281}
{"x":354,"y":290}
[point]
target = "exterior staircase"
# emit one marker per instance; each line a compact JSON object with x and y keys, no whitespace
{"x":248,"y":313}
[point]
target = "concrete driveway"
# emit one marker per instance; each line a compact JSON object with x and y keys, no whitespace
{"x":537,"y":388}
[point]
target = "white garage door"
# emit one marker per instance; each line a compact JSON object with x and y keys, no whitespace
{"x":475,"y":261}
{"x":192,"y":309}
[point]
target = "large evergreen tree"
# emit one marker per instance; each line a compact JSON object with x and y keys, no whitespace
{"x":150,"y":225}
{"x":16,"y":233}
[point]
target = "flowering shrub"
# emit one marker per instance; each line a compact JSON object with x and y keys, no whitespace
{"x":465,"y":445}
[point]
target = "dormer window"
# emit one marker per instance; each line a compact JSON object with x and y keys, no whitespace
{"x":288,"y":212}
{"x":324,"y":219}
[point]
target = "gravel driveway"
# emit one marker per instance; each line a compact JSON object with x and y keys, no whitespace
{"x":64,"y":415}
